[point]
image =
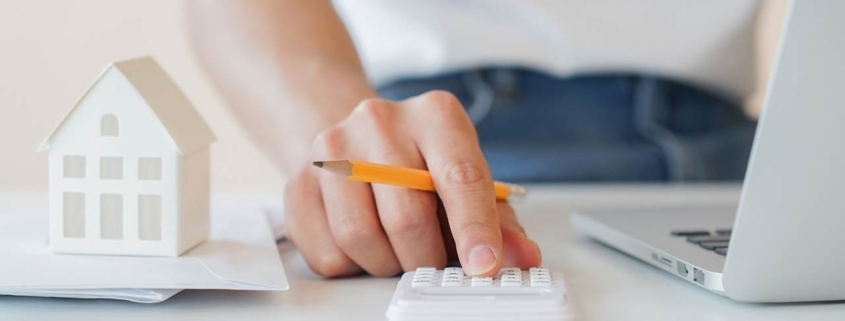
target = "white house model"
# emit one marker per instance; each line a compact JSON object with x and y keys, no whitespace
{"x":129,"y":167}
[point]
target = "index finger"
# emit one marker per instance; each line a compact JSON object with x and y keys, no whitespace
{"x":449,"y":144}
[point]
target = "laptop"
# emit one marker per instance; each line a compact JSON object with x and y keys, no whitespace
{"x":786,"y":240}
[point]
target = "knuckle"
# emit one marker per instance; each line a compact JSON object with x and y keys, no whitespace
{"x":377,"y":115}
{"x":444,"y":104}
{"x":331,"y":264}
{"x":473,"y":227}
{"x":464,"y":172}
{"x":330,"y":143}
{"x":445,"y":111}
{"x":411,"y":223}
{"x":350,"y":234}
{"x":443,"y":98}
{"x":374,"y":108}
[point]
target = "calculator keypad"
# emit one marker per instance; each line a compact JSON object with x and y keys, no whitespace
{"x":511,"y":294}
{"x":508,"y":277}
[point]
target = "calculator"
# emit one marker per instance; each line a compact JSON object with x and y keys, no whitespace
{"x":448,"y":294}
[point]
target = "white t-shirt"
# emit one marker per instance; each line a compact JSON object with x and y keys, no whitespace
{"x":708,"y":43}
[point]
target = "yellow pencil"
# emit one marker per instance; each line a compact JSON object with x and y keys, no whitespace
{"x":406,"y":177}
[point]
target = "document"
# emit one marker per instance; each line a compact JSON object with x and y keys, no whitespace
{"x":240,"y":254}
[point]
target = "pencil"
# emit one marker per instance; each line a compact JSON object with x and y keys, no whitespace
{"x":418,"y":179}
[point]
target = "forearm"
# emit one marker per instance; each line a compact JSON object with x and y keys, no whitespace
{"x":288,"y":69}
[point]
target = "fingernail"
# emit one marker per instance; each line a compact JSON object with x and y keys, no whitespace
{"x":481,"y":260}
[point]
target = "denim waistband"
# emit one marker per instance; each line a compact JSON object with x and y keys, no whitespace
{"x":698,"y":135}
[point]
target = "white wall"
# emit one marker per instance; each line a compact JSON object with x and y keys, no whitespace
{"x":51,"y":51}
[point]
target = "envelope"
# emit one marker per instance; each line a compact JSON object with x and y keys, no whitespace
{"x":241,"y":254}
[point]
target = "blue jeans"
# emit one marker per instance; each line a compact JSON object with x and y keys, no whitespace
{"x":534,"y":127}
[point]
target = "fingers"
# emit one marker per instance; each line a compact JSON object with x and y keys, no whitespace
{"x":408,"y":216}
{"x":383,"y":229}
{"x":352,"y":217}
{"x":519,"y":250}
{"x":308,"y":228}
{"x":449,"y":145}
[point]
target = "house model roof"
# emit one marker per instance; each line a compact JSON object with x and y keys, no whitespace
{"x":178,"y":116}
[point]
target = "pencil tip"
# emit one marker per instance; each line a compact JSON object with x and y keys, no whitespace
{"x":318,"y":164}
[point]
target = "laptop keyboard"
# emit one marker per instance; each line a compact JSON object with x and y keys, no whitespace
{"x":716,"y":241}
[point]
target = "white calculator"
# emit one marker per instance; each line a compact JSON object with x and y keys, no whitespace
{"x":513,"y":294}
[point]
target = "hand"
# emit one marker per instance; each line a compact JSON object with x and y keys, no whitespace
{"x":345,"y":227}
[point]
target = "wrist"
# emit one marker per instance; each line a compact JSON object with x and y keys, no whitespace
{"x":327,"y":93}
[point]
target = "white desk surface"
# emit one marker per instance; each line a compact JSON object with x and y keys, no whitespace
{"x":603,"y":284}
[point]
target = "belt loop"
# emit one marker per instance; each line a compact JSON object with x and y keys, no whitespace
{"x":482,"y":95}
{"x":649,"y":101}
{"x":506,"y":82}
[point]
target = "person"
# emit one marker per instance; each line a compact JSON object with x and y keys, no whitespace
{"x":526,"y":90}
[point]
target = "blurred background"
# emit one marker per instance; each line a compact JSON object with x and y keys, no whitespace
{"x":52,"y":51}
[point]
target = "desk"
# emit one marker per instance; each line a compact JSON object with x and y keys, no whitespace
{"x":603,"y":284}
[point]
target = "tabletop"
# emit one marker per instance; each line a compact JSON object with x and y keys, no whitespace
{"x":603,"y":284}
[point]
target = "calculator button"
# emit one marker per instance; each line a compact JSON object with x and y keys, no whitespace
{"x":540,"y":277}
{"x":422,"y":281}
{"x":422,"y":284}
{"x":452,"y":277}
{"x":452,"y":281}
{"x":541,"y":283}
{"x":539,"y":270}
{"x":511,"y":270}
{"x":511,"y":282}
{"x":511,"y":277}
{"x":453,"y":270}
{"x":479,"y":281}
{"x":423,"y":277}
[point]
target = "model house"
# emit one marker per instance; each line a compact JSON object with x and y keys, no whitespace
{"x":129,"y":167}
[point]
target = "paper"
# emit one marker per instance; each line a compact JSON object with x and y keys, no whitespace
{"x":276,"y":217}
{"x":241,"y":254}
{"x":134,"y":295}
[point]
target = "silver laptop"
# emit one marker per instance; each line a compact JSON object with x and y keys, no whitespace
{"x":786,"y":240}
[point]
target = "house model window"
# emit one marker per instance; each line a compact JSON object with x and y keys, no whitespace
{"x":74,"y":214}
{"x":142,"y":191}
{"x":111,"y":168}
{"x":111,"y":216}
{"x":149,"y":169}
{"x":149,"y":217}
{"x":73,"y":166}
{"x":109,"y":126}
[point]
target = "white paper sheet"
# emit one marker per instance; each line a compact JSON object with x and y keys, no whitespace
{"x":133,"y":295}
{"x":241,"y":254}
{"x":276,"y":217}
